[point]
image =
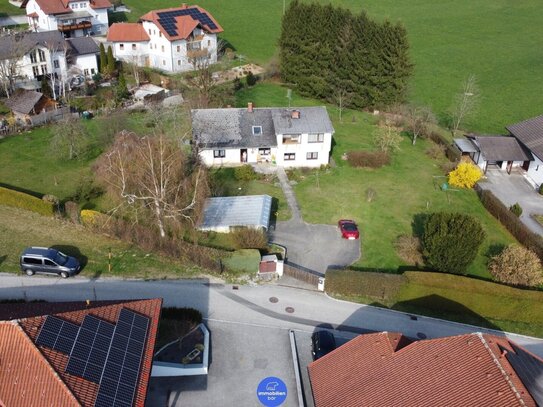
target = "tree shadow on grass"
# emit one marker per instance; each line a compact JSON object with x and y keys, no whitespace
{"x":440,"y":307}
{"x":417,"y":225}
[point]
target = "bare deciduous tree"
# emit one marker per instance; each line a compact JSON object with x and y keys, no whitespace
{"x":418,"y":118}
{"x":342,"y":98}
{"x":465,"y":103}
{"x":387,"y":139}
{"x":10,"y":67}
{"x":70,"y":139}
{"x":155,"y":174}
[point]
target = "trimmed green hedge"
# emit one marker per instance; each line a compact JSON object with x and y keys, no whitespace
{"x":21,"y":200}
{"x":448,"y":296}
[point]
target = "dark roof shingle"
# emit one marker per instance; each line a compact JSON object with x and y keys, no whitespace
{"x":502,"y":148}
{"x":530,"y":133}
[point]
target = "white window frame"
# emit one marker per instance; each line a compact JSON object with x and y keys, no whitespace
{"x":319,"y":138}
{"x":258,"y":130}
{"x":289,"y":157}
{"x":312,"y":156}
{"x":219,"y":153}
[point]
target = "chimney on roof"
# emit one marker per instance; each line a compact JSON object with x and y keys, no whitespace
{"x":295,"y":114}
{"x":250,"y":107}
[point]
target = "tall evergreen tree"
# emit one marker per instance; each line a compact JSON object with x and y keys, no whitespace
{"x":111,"y":63}
{"x":103,"y":58}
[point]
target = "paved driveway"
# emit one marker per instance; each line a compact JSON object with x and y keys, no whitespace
{"x":316,"y":247}
{"x":513,"y":188}
{"x":242,"y":356}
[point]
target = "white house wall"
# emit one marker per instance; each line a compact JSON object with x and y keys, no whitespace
{"x":535,"y":171}
{"x":26,"y":65}
{"x":162,"y":54}
{"x":88,"y":64}
{"x":301,"y":149}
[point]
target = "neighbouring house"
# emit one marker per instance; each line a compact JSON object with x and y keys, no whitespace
{"x":173,"y":40}
{"x":388,"y":369}
{"x":289,"y":137}
{"x":27,"y":103}
{"x":32,"y":57}
{"x":73,"y":18}
{"x":521,"y":149}
{"x":224,"y":214}
{"x":93,"y":353}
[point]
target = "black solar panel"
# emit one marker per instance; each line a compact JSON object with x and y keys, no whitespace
{"x":167,"y":19}
{"x":120,"y":375}
{"x":530,"y":371}
{"x":90,"y":349}
{"x":57,"y":334}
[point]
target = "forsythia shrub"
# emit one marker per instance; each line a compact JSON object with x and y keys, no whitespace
{"x":21,"y":200}
{"x":517,"y":265}
{"x":91,"y":218}
{"x":465,"y":175}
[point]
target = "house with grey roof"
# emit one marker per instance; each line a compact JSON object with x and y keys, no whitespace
{"x":35,"y":56}
{"x":521,"y":149}
{"x":289,"y":137}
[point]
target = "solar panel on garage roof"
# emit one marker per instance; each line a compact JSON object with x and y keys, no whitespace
{"x":90,"y":349}
{"x":120,"y":375}
{"x":57,"y":334}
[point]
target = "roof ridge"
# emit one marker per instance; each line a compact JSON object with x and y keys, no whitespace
{"x":500,"y":367}
{"x":46,"y":361}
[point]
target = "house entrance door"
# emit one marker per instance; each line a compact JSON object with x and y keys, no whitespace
{"x":243,"y":155}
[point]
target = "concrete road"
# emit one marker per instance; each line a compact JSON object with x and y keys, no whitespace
{"x":316,"y":247}
{"x":513,"y":188}
{"x":13,"y":20}
{"x":248,"y":305}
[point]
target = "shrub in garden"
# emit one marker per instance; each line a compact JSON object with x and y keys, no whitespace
{"x":245,"y":173}
{"x":21,"y":200}
{"x":465,"y":175}
{"x":409,"y":250}
{"x":451,"y":241}
{"x":516,"y":265}
{"x":250,"y":239}
{"x":435,"y":151}
{"x":516,"y":209}
{"x":251,"y":79}
{"x":369,"y":159}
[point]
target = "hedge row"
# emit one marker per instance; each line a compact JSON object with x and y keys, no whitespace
{"x":450,"y":152}
{"x":368,"y":159}
{"x":21,"y":200}
{"x":511,"y":222}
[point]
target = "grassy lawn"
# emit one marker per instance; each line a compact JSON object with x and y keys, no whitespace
{"x":20,"y":229}
{"x":445,"y":296}
{"x":28,"y":163}
{"x":449,"y":40}
{"x":8,"y":9}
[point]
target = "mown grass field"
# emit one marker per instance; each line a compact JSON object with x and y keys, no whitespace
{"x":403,"y":190}
{"x":444,"y":296}
{"x":497,"y":41}
{"x":7,"y":9}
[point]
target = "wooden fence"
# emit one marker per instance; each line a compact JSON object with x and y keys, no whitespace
{"x":302,"y":273}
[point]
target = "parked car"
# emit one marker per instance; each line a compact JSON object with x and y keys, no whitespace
{"x":322,"y":343}
{"x":348,"y":229}
{"x":48,"y":261}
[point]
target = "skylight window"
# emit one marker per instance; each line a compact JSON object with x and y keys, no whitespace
{"x":257,"y":130}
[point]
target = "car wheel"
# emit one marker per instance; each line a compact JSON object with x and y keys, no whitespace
{"x":29,"y":272}
{"x":63,"y":274}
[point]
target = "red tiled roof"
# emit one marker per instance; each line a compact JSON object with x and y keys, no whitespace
{"x":82,"y":390}
{"x":380,"y":370}
{"x":61,"y":6}
{"x":26,"y":378}
{"x":127,"y":32}
{"x":182,"y":23}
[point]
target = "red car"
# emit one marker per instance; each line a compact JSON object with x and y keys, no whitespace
{"x":348,"y":229}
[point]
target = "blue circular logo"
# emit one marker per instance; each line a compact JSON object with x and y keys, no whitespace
{"x":272,"y":392}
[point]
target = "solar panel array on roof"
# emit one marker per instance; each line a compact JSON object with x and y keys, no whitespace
{"x":90,"y":349}
{"x":121,"y":371}
{"x":167,"y":19}
{"x":530,"y":371}
{"x":57,"y":334}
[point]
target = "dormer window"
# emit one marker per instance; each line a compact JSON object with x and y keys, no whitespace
{"x":257,"y":130}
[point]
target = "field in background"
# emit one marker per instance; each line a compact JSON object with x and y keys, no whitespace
{"x":497,"y":41}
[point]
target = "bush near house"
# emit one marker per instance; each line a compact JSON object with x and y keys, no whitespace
{"x":21,"y":200}
{"x":451,"y":241}
{"x":516,"y":209}
{"x":245,"y":173}
{"x":518,"y":266}
{"x":245,"y":238}
{"x":465,"y":175}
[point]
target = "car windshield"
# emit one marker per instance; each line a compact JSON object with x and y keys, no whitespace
{"x":61,"y":259}
{"x":350,"y":227}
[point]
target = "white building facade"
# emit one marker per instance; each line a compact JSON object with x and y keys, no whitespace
{"x":74,"y":18}
{"x":171,"y":40}
{"x":294,"y":137}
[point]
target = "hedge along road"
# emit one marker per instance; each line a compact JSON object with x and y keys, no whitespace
{"x":246,"y":305}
